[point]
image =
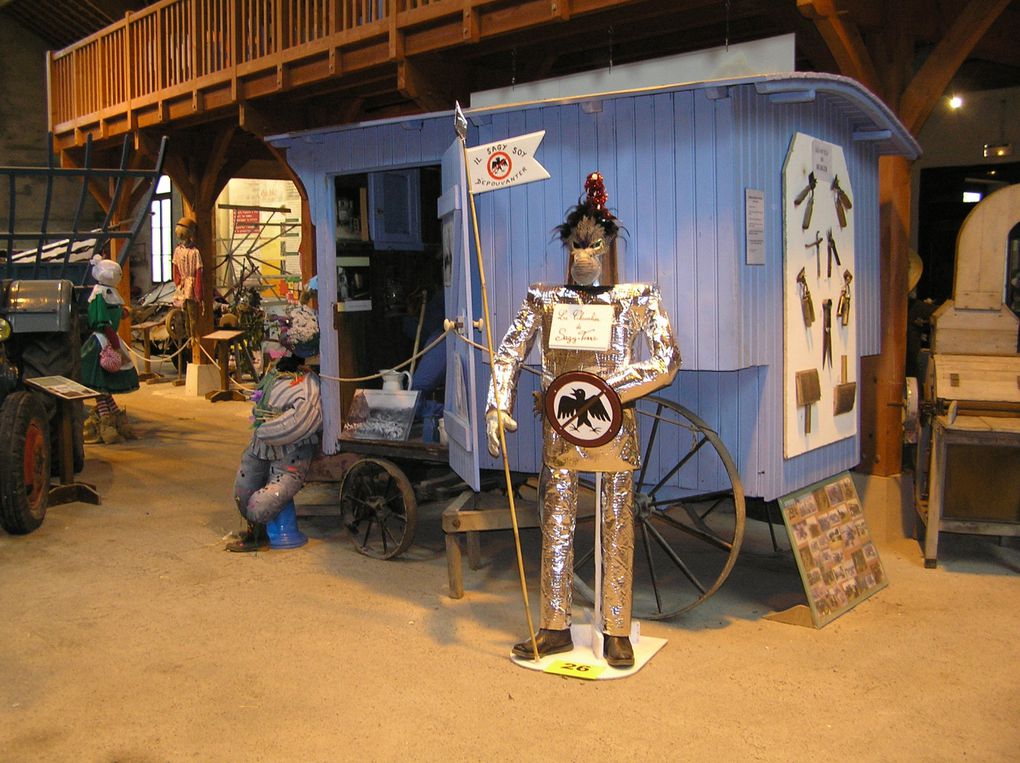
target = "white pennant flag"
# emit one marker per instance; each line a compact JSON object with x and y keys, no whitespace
{"x":505,"y":163}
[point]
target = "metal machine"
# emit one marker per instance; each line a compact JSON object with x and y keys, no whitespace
{"x":967,"y":471}
{"x":44,"y":268}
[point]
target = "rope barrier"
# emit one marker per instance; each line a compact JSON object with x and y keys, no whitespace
{"x":425,"y":349}
{"x":485,"y":349}
{"x":151,"y":357}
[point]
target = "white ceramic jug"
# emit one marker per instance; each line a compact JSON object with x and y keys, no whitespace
{"x":395,"y":380}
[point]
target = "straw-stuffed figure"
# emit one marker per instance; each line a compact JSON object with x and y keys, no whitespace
{"x":286,"y":421}
{"x":105,"y":364}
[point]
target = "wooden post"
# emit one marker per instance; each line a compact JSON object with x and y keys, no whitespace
{"x":882,"y":376}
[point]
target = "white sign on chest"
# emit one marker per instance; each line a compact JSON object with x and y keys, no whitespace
{"x":581,"y":327}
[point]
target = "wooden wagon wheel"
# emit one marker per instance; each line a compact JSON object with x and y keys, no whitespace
{"x":688,"y":525}
{"x":378,"y":508}
{"x":176,"y":323}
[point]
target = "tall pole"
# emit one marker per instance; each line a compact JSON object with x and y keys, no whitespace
{"x":461,"y":127}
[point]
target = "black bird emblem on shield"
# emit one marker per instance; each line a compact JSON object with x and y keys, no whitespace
{"x":582,"y":408}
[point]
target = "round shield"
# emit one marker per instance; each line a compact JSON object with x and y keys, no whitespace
{"x":583,"y":409}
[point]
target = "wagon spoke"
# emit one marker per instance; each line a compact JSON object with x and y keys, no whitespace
{"x":679,"y":465}
{"x":651,"y":567}
{"x":705,"y":535}
{"x":676,"y":559}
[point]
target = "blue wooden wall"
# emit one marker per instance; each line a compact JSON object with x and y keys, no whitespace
{"x":676,"y":163}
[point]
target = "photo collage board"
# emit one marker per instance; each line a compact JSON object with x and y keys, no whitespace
{"x":838,"y":562}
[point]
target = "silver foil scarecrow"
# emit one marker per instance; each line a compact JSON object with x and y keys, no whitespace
{"x":589,"y":234}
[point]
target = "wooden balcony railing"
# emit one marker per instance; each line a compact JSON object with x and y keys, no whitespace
{"x":179,"y":58}
{"x":136,"y":70}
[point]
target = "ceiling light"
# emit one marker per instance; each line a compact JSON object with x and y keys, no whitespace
{"x":955,"y":102}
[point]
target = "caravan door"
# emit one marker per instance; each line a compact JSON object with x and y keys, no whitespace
{"x":462,"y":293}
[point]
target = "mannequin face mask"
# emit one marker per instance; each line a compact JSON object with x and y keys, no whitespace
{"x":588,"y":243}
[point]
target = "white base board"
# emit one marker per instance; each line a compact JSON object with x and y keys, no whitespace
{"x":645,"y":647}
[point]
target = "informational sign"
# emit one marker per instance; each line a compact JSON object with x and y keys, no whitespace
{"x":246,"y":222}
{"x":505,"y":163}
{"x":581,"y":327}
{"x":62,"y":387}
{"x":754,"y":226}
{"x":583,"y":409}
{"x":838,"y":562}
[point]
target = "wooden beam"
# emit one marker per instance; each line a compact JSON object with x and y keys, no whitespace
{"x":428,"y":86}
{"x":931,"y":80}
{"x":844,"y":40}
{"x":882,"y":375}
{"x":210,"y":184}
{"x":306,"y":249}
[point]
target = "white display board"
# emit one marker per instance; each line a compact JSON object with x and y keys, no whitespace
{"x":818,"y":237}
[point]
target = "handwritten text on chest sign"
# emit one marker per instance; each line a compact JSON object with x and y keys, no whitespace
{"x":581,"y":326}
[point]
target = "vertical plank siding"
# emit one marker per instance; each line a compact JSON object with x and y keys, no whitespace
{"x":676,"y":164}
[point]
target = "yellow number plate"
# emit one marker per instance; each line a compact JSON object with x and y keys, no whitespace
{"x":575,"y":669}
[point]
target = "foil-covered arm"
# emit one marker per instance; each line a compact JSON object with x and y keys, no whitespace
{"x":644,"y":377}
{"x":512,"y":351}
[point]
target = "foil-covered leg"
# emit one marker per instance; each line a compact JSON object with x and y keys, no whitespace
{"x":558,"y":504}
{"x":617,"y":552}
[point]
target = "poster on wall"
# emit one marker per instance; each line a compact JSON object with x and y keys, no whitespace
{"x":838,"y":562}
{"x":820,"y":361}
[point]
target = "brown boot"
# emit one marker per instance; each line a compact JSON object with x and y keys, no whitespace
{"x":548,"y":642}
{"x":124,"y":426}
{"x":90,"y":428}
{"x":618,"y":651}
{"x":108,"y":431}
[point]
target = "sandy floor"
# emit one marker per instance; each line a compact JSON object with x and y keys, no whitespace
{"x":129,"y":635}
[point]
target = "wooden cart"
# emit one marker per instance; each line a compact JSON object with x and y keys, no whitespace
{"x":685,"y":543}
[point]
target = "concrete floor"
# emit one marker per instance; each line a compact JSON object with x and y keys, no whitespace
{"x":129,"y":635}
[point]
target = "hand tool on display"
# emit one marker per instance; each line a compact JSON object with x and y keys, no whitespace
{"x":817,"y":244}
{"x":807,"y":307}
{"x":809,"y":194}
{"x":830,"y":246}
{"x":845,"y":393}
{"x":809,"y":392}
{"x":843,"y":203}
{"x":827,"y":332}
{"x":843,"y":306}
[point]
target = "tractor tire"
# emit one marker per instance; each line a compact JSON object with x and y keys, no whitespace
{"x":24,"y":463}
{"x":57,"y":354}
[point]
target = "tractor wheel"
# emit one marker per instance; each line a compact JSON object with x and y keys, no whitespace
{"x":57,"y":354}
{"x":24,"y":463}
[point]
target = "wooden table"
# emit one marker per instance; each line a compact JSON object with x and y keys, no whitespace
{"x":146,"y":328}
{"x":987,"y":431}
{"x":223,"y":339}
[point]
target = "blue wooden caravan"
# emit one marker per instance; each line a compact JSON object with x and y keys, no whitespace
{"x":705,"y":179}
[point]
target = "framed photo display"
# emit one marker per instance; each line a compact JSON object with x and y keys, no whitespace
{"x":838,"y":562}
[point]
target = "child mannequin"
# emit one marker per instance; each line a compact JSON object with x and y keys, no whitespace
{"x":105,"y":364}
